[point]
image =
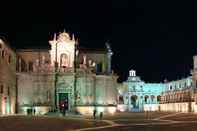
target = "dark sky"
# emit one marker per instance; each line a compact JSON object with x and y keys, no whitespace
{"x":156,"y":38}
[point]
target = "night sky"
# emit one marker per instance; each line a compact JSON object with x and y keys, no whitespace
{"x":156,"y":38}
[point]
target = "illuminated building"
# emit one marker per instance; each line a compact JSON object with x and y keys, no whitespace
{"x":7,"y":79}
{"x":137,"y":95}
{"x":38,"y":79}
{"x":43,"y":78}
{"x":178,"y":96}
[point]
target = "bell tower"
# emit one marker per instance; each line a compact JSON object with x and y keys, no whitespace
{"x":132,"y":73}
{"x":62,"y":50}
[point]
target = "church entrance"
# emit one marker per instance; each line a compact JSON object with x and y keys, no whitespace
{"x":135,"y":104}
{"x":63,"y":101}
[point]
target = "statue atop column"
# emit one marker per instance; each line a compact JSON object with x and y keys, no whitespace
{"x":109,"y":55}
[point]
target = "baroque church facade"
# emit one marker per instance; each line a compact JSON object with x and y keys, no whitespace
{"x":46,"y":78}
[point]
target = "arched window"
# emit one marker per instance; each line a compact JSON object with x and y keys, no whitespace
{"x":146,"y":98}
{"x":170,"y":87}
{"x":141,"y":88}
{"x":152,"y":98}
{"x":121,"y":100}
{"x":185,"y":84}
{"x":158,"y":98}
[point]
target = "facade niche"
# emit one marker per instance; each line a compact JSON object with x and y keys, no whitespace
{"x":30,"y":66}
{"x":64,"y":60}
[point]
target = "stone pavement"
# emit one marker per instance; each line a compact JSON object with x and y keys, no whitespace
{"x":83,"y":123}
{"x":142,"y":122}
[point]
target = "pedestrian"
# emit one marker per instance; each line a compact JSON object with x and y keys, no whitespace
{"x":34,"y":110}
{"x":94,"y":114}
{"x":101,"y":115}
{"x":64,"y":112}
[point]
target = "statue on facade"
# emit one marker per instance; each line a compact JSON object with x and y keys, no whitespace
{"x":64,"y":61}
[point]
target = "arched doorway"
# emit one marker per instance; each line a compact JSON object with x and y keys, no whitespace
{"x":134,"y":101}
{"x":152,"y":98}
{"x":146,"y":99}
{"x":64,"y":96}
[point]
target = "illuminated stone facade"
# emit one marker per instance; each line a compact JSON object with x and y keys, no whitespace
{"x":178,"y":96}
{"x":7,"y":79}
{"x":139,"y":96}
{"x":136,"y":95}
{"x":42,"y":79}
{"x":37,"y":78}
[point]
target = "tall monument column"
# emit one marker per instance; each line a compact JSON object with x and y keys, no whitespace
{"x":109,"y":56}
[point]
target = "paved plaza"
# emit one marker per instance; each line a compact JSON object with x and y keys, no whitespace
{"x":150,"y":121}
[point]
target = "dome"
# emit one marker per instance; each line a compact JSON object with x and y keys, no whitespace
{"x":63,"y":36}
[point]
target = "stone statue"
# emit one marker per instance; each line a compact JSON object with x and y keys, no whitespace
{"x":84,"y":60}
{"x":64,"y":60}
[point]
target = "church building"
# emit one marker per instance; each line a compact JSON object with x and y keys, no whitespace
{"x":45,"y":79}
